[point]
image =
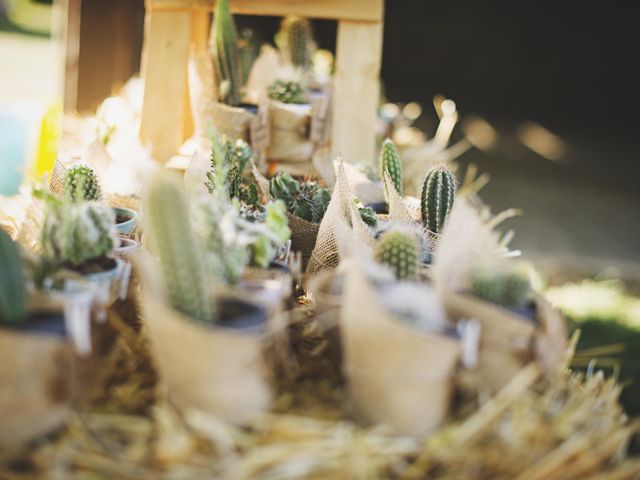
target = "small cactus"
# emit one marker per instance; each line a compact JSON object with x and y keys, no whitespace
{"x":236,"y":155}
{"x":508,"y":284}
{"x":438,"y":193}
{"x":81,"y":183}
{"x":174,"y":243}
{"x":299,"y":41}
{"x":400,"y":251}
{"x":287,"y":92}
{"x":13,"y":296}
{"x":224,"y":45}
{"x":76,"y":233}
{"x":390,"y":163}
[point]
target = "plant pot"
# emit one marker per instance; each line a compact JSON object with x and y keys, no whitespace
{"x":303,"y":237}
{"x":289,"y":132}
{"x":508,"y":340}
{"x":36,"y":379}
{"x":217,"y":368}
{"x":234,"y":122}
{"x":127,"y":248}
{"x":105,"y":283}
{"x":398,"y":376}
{"x":269,"y":287}
{"x":379,"y":207}
{"x":126,"y":219}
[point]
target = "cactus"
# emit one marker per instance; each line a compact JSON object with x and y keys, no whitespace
{"x":13,"y":296}
{"x":299,"y":41}
{"x":76,"y":233}
{"x":390,"y":163}
{"x":224,"y":45}
{"x":249,"y":48}
{"x":399,"y":251}
{"x":306,"y":199}
{"x":81,"y":183}
{"x":173,"y":241}
{"x":506,"y":284}
{"x":287,"y":92}
{"x":236,"y":155}
{"x":438,"y":192}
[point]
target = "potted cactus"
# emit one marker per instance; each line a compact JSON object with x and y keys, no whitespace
{"x":438,"y":194}
{"x":209,"y":347}
{"x":36,"y":357}
{"x":391,"y":165}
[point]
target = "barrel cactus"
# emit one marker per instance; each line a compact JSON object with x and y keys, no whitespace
{"x":438,"y":193}
{"x":390,"y":163}
{"x":224,"y":45}
{"x":74,"y":234}
{"x":400,"y":251}
{"x":174,"y":243}
{"x":13,"y":296}
{"x":299,"y":41}
{"x":81,"y":183}
{"x":287,"y":92}
{"x":506,"y":283}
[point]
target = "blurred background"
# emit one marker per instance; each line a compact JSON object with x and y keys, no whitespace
{"x":548,"y":87}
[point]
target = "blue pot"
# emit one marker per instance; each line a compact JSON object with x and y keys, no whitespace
{"x":129,"y":225}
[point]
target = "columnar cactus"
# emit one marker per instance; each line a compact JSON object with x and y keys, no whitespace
{"x":390,"y":163}
{"x":13,"y":296}
{"x":400,"y":251}
{"x":287,"y":92}
{"x":81,"y":183}
{"x":175,"y":245}
{"x":438,"y":192}
{"x":299,"y":41}
{"x":76,"y":233}
{"x":224,"y":43}
{"x":506,"y":284}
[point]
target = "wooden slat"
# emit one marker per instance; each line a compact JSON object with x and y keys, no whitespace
{"x":200,"y":25}
{"x":356,"y":90}
{"x":355,"y":10}
{"x":167,"y":54}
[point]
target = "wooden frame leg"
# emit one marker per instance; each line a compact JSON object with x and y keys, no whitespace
{"x":165,"y":75}
{"x":356,"y":90}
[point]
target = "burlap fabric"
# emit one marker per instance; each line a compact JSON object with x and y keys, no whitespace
{"x":217,"y":370}
{"x":508,"y":341}
{"x":397,"y":375}
{"x":234,"y":122}
{"x":202,"y":90}
{"x":333,"y":237}
{"x":36,"y":385}
{"x":195,"y":176}
{"x":290,"y":127}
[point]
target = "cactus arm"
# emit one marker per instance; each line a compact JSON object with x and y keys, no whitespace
{"x":390,"y":162}
{"x":438,"y":194}
{"x":227,"y":58}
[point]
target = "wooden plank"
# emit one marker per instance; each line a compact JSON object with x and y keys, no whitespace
{"x":200,"y":25}
{"x":356,"y":90}
{"x":355,"y":10}
{"x":165,"y":75}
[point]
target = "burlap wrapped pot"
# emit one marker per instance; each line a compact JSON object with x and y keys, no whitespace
{"x":289,"y":138}
{"x":303,"y":237}
{"x":234,"y":122}
{"x":509,"y":341}
{"x":397,"y":375}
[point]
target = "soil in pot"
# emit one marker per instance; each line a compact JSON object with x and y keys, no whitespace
{"x":240,"y":315}
{"x":122,"y":216}
{"x":96,"y":265}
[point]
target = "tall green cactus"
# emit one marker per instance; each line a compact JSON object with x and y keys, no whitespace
{"x":299,"y":41}
{"x":175,"y":245}
{"x":224,"y":45}
{"x":506,"y":284}
{"x":390,"y":162}
{"x":13,"y":296}
{"x":81,"y":183}
{"x":399,"y":251}
{"x":438,"y":193}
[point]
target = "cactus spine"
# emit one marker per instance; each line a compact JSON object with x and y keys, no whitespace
{"x":13,"y":296}
{"x":390,"y":163}
{"x":224,"y":44}
{"x":299,"y":42}
{"x":287,"y":92}
{"x":508,"y":285}
{"x":81,"y":183}
{"x":399,"y":251}
{"x":438,"y":193}
{"x":174,"y":244}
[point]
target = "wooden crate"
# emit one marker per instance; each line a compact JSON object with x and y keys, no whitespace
{"x":173,"y":28}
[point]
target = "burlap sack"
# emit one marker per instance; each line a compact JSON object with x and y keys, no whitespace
{"x":217,"y":370}
{"x":234,"y":122}
{"x":35,"y":385}
{"x":397,"y":375}
{"x":304,"y":235}
{"x":508,"y":341}
{"x":289,"y":140}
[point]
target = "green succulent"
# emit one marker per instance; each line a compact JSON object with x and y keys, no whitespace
{"x":299,"y":41}
{"x":390,"y":163}
{"x":400,"y":251}
{"x":235,"y":156}
{"x":307,"y":199}
{"x":81,"y":183}
{"x":224,"y":46}
{"x":287,"y":92}
{"x":505,"y":283}
{"x":13,"y":294}
{"x":438,"y":194}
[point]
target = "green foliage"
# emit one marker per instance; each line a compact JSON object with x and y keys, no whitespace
{"x":224,"y":45}
{"x":506,"y":283}
{"x":13,"y":295}
{"x":307,"y":199}
{"x":390,"y":163}
{"x":299,"y":41}
{"x":287,"y":92}
{"x":74,"y":234}
{"x":249,"y":47}
{"x":81,"y":183}
{"x":174,"y":243}
{"x":367,"y":214}
{"x":400,"y":251}
{"x":233,"y":157}
{"x":438,"y":193}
